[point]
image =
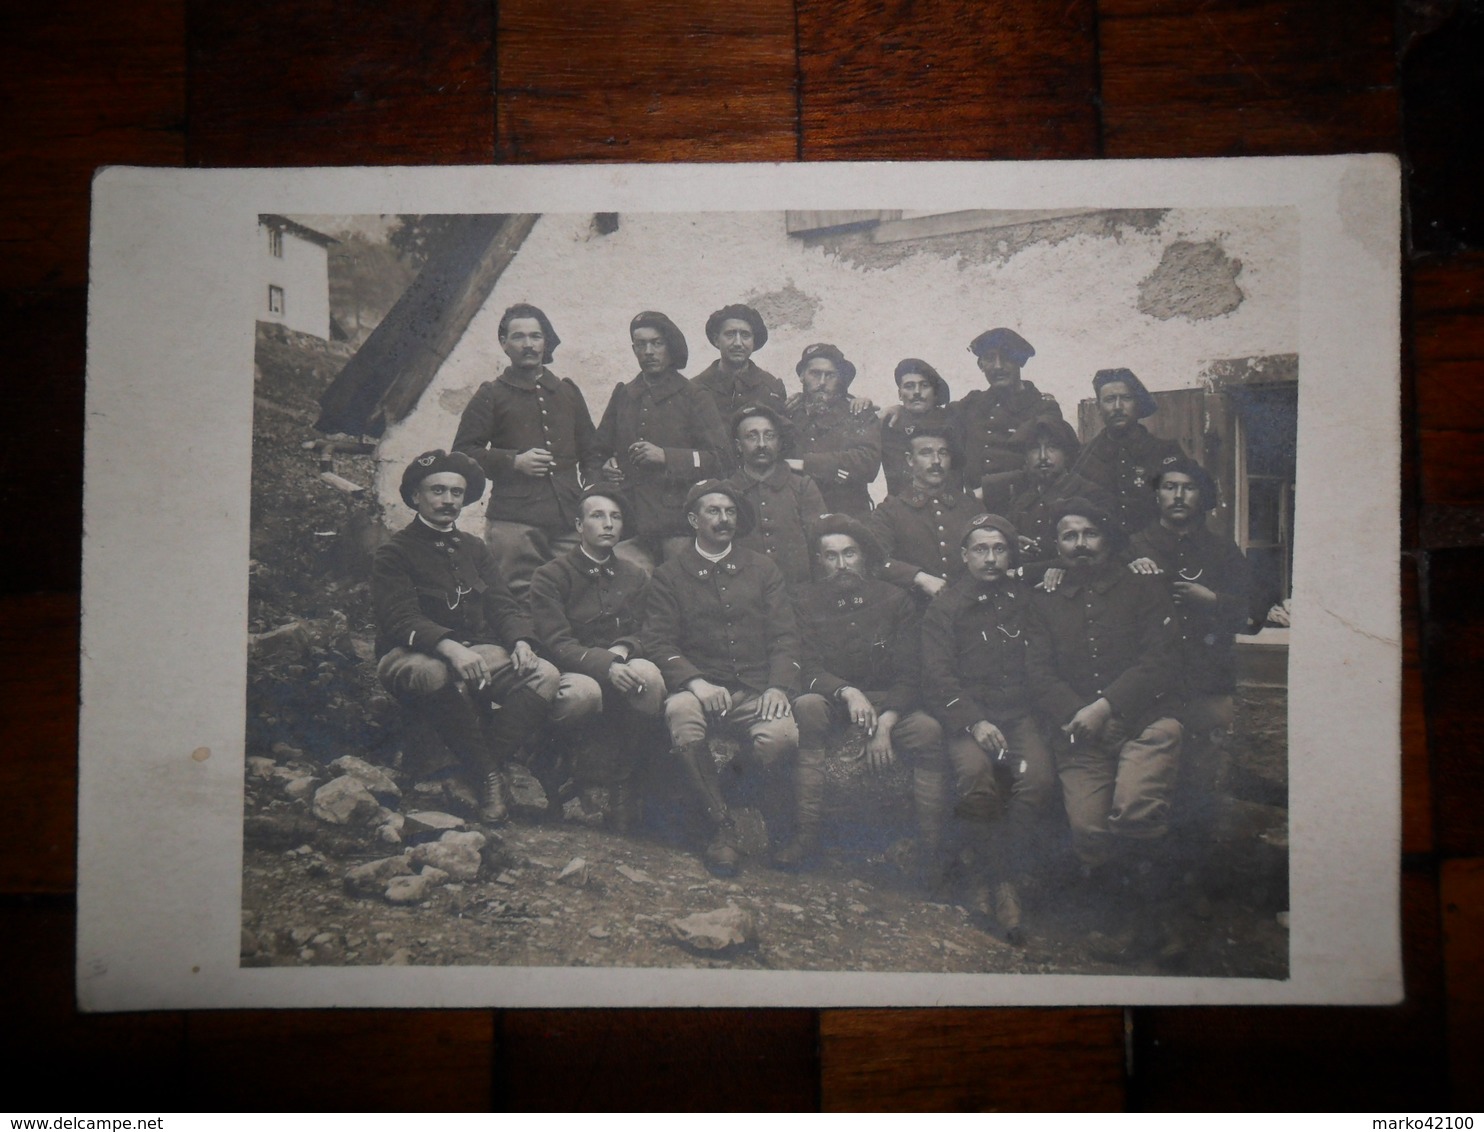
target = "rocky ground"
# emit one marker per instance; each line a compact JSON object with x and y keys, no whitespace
{"x":358,"y":851}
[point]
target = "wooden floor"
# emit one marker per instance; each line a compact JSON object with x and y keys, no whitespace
{"x":306,"y":82}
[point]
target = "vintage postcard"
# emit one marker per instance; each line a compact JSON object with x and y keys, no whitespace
{"x":900,"y":584}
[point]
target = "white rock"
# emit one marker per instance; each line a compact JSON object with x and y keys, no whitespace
{"x":435,"y":876}
{"x":372,"y":877}
{"x":399,"y":958}
{"x":390,"y":830}
{"x":638,"y":876}
{"x":599,"y":933}
{"x":461,"y":862}
{"x":471,"y":838}
{"x":575,"y":872}
{"x":794,"y":908}
{"x":421,"y":822}
{"x":507,"y":877}
{"x":374,"y":778}
{"x":299,"y":786}
{"x":345,"y":801}
{"x":408,"y":890}
{"x":259,"y":767}
{"x":716,"y":930}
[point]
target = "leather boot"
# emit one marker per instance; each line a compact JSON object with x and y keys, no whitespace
{"x":495,"y":800}
{"x":623,"y":806}
{"x":698,"y":770}
{"x":808,"y":810}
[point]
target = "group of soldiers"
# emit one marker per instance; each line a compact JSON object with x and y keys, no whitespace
{"x":1042,"y":631}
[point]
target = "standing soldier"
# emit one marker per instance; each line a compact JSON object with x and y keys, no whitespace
{"x":531,"y":433}
{"x":1103,"y":661}
{"x":839,"y":447}
{"x":661,"y":435}
{"x":1211,"y":585}
{"x":734,"y":379}
{"x":451,"y":641}
{"x":989,"y":417}
{"x":587,"y":608}
{"x":720,"y":627}
{"x":860,"y":638}
{"x":919,"y":528}
{"x":1123,"y":457}
{"x":1050,"y":447}
{"x":924,"y":399}
{"x":974,"y":678}
{"x":785,"y":503}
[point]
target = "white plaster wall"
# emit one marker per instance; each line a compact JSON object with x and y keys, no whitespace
{"x":304,"y":274}
{"x":1076,"y":301}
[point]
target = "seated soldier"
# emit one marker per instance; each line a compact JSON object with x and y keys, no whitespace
{"x":1050,"y":446}
{"x":785,"y":502}
{"x":451,"y":641}
{"x":587,"y":608}
{"x":860,"y":640}
{"x":974,"y":677}
{"x":919,"y":528}
{"x":720,"y":627}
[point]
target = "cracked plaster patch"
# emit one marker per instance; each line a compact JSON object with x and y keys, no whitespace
{"x":1194,"y":281}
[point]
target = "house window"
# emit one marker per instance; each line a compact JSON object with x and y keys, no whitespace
{"x":275,"y":299}
{"x":275,"y":242}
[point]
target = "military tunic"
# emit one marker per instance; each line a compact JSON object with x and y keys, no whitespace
{"x":753,"y":386}
{"x":672,"y":413}
{"x":860,"y":636}
{"x":919,"y":532}
{"x":786,"y":505}
{"x":728,"y":622}
{"x":1126,"y":468}
{"x":989,"y":419}
{"x":1031,"y":510}
{"x":582,"y":609}
{"x":973,"y":654}
{"x":842,"y":451}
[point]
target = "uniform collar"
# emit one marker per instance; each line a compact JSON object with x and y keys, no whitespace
{"x":776,"y":480}
{"x":663,"y":387}
{"x":698,"y":567}
{"x":911,"y":496}
{"x":591,"y":568}
{"x":425,"y":530}
{"x":1099,"y":579}
{"x":546,"y":379}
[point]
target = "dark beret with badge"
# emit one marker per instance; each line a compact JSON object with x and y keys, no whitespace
{"x":654,"y":320}
{"x":745,"y":518}
{"x":1186,"y":466}
{"x":991,"y":522}
{"x":1007,"y":342}
{"x":431,"y":463}
{"x":920,"y":367}
{"x":743,"y":313}
{"x":1144,"y":404}
{"x":526,"y":310}
{"x":839,"y":523}
{"x":843,"y":366}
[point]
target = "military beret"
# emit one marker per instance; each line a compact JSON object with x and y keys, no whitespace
{"x":747,"y":315}
{"x":755,"y":411}
{"x":1187,"y":466}
{"x":845,"y":367}
{"x":940,"y":428}
{"x":1144,"y":405}
{"x":918,"y":366}
{"x":745,"y":518}
{"x":526,"y":310}
{"x":838,"y":523}
{"x":616,"y":495}
{"x":679,"y":351}
{"x":431,"y":463}
{"x":1105,"y":519}
{"x":994,"y":523}
{"x":1058,"y":431}
{"x":1006,"y":341}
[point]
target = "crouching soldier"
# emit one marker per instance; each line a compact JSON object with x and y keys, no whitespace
{"x":451,"y":641}
{"x":860,"y":640}
{"x":1103,"y":658}
{"x":587,"y":607}
{"x":720,"y":628}
{"x":974,"y":676}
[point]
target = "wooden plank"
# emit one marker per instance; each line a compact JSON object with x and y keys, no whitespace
{"x":1462,"y":890}
{"x":972,"y":1060}
{"x":671,"y":1060}
{"x":947,"y":79}
{"x":1417,"y":800}
{"x":338,"y":1060}
{"x":646,"y":80}
{"x":1229,"y":77}
{"x":1255,"y":1059}
{"x":1453,"y":659}
{"x":89,"y":84}
{"x":1452,"y":467}
{"x":119,"y":1062}
{"x":38,"y":733}
{"x":282,"y":82}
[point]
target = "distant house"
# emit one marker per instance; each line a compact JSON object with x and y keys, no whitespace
{"x":294,"y":275}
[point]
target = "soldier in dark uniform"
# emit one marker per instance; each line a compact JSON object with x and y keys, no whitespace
{"x":661,"y":434}
{"x":721,"y":629}
{"x":1103,"y":661}
{"x":531,"y":433}
{"x":785,"y":503}
{"x":1050,"y":447}
{"x":919,"y":527}
{"x":587,"y":607}
{"x":974,"y":679}
{"x":989,"y":417}
{"x":1211,"y":585}
{"x":839,"y":447}
{"x":860,"y":638}
{"x":924,"y":398}
{"x":734,"y":379}
{"x":451,"y":641}
{"x":1122,"y":458}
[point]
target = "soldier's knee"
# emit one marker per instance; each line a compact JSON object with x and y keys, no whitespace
{"x":545,"y":680}
{"x":775,"y":739}
{"x":812,"y":713}
{"x":577,"y":697}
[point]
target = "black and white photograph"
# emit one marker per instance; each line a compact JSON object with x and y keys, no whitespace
{"x":696,"y":602}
